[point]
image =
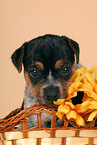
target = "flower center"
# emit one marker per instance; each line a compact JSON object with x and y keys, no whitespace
{"x":78,"y":99}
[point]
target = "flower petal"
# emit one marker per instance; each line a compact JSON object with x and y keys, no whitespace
{"x":92,"y":115}
{"x":72,"y":90}
{"x":80,"y":121}
{"x":78,"y":79}
{"x":90,"y":78}
{"x":95,"y":71}
{"x":81,"y":108}
{"x":70,"y":104}
{"x":79,"y":72}
{"x":92,"y":94}
{"x":63,"y":108}
{"x":93,"y":105}
{"x":76,"y":74}
{"x":91,"y":71}
{"x":71,"y":114}
{"x":95,"y":89}
{"x":87,"y":86}
{"x":76,"y":85}
{"x":85,"y":97}
{"x":87,"y":102}
{"x":59,"y":101}
{"x":74,"y":94}
{"x":83,"y":79}
{"x":60,"y":115}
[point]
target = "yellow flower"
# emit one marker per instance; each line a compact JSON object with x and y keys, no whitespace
{"x":68,"y":109}
{"x":92,"y":115}
{"x":84,"y":81}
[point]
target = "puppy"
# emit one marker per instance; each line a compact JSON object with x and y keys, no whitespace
{"x":49,"y":62}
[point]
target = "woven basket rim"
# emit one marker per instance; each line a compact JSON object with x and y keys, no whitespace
{"x":19,"y":116}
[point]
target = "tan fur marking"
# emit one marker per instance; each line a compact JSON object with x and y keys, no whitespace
{"x":28,"y":82}
{"x":35,"y":90}
{"x":39,"y":65}
{"x":63,"y":87}
{"x":73,"y":69}
{"x":58,"y":64}
{"x":32,"y":87}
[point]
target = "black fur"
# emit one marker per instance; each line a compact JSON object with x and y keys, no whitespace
{"x":48,"y":49}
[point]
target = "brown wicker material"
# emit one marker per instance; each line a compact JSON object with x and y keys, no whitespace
{"x":64,"y":135}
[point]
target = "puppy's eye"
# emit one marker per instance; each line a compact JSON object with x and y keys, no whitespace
{"x":34,"y":72}
{"x":66,"y":69}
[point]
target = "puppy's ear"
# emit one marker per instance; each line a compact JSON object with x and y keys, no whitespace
{"x":17,"y":57}
{"x":75,"y":47}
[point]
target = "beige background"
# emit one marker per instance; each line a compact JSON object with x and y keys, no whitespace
{"x":22,"y":20}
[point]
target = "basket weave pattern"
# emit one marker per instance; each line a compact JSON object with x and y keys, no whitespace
{"x":64,"y":135}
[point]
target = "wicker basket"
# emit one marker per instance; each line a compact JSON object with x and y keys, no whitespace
{"x":63,"y":135}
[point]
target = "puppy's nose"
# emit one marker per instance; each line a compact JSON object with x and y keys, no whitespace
{"x":51,"y":94}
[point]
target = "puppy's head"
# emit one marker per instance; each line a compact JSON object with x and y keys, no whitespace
{"x":48,"y":66}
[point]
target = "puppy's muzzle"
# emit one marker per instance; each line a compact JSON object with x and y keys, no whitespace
{"x":51,"y":94}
